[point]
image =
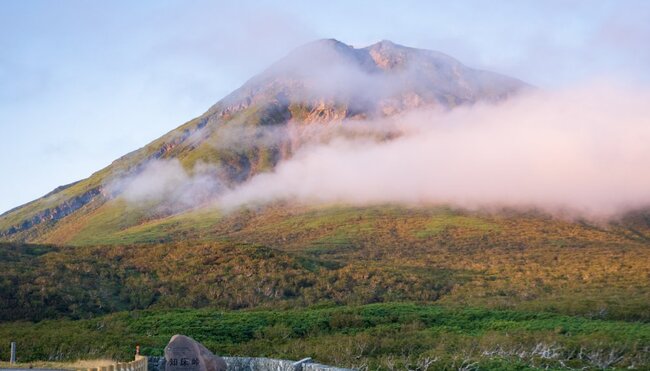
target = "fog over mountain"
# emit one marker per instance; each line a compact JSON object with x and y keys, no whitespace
{"x":331,"y":123}
{"x":578,"y":152}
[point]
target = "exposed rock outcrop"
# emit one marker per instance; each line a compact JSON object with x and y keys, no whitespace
{"x":55,"y":213}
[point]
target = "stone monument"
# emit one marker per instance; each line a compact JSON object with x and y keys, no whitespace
{"x":186,"y":354}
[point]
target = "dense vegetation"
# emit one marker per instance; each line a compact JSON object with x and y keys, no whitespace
{"x":388,"y":336}
{"x":486,"y":287}
{"x":280,"y":258}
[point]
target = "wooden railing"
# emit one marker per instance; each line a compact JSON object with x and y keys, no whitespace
{"x":139,"y":364}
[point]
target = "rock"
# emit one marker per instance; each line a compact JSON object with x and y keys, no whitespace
{"x":183,"y":353}
{"x":53,"y":214}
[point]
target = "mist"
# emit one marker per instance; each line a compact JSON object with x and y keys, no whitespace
{"x":166,"y":187}
{"x":584,"y":151}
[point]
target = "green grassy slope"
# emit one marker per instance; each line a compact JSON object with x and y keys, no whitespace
{"x":384,"y":336}
{"x":197,"y":141}
{"x":128,"y":162}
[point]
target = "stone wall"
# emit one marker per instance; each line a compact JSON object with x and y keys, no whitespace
{"x":256,"y":364}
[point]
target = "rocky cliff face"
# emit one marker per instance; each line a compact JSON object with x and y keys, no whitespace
{"x":53,"y":214}
{"x":258,"y":125}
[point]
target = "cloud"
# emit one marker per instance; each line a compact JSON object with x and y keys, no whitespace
{"x":582,"y":150}
{"x":167,"y":186}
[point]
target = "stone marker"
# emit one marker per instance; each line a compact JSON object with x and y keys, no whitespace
{"x":186,"y":354}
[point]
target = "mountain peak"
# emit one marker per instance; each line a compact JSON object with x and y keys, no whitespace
{"x":319,"y":82}
{"x":334,"y":43}
{"x":330,"y":41}
{"x":322,"y":45}
{"x":385,"y":44}
{"x":332,"y":70}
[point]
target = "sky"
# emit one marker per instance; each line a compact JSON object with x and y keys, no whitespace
{"x":85,"y":82}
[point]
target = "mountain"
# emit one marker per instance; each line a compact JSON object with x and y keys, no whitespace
{"x":138,"y":252}
{"x":323,"y":82}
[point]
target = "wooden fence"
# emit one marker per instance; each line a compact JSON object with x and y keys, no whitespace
{"x":139,"y":364}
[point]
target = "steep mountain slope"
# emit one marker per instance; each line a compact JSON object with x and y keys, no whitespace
{"x":259,"y":124}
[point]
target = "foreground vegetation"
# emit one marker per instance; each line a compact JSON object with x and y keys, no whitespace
{"x":387,"y":336}
{"x":382,"y":287}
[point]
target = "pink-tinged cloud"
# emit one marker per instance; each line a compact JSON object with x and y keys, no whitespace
{"x":584,"y":150}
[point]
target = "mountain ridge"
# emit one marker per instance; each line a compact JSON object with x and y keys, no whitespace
{"x":325,"y":81}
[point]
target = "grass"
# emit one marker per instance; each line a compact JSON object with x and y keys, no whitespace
{"x":183,"y":225}
{"x":440,"y":223}
{"x":175,"y":227}
{"x":117,"y":222}
{"x":348,"y":336}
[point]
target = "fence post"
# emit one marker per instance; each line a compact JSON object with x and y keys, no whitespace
{"x":12,"y":360}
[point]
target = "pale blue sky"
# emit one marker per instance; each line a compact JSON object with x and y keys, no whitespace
{"x":84,"y":82}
